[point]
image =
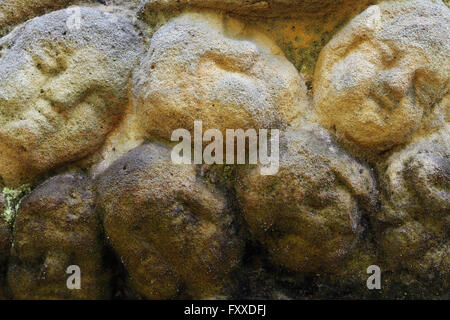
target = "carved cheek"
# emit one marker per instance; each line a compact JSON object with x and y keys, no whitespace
{"x":352,"y":76}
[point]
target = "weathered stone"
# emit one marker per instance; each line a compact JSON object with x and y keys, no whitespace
{"x":171,"y":230}
{"x":381,"y":90}
{"x":56,"y":227}
{"x":201,"y":68}
{"x":2,"y":225}
{"x":308,"y":215}
{"x":301,"y":33}
{"x":13,"y":12}
{"x":256,"y":8}
{"x":5,"y":244}
{"x":62,"y":89}
{"x":381,"y":75}
{"x":414,"y":224}
{"x":123,"y":4}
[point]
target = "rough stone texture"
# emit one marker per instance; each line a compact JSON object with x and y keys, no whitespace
{"x":379,"y":77}
{"x":56,"y":227}
{"x":127,"y":4}
{"x":302,"y":38}
{"x":200,"y":68}
{"x":301,"y":34}
{"x":416,"y":210}
{"x":5,"y":243}
{"x":255,"y":8}
{"x":4,"y":232}
{"x":174,"y":233}
{"x":13,"y":12}
{"x":308,"y":215}
{"x":369,"y":187}
{"x":59,"y":99}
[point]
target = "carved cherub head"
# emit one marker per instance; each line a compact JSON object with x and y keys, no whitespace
{"x":383,"y":73}
{"x":174,"y":233}
{"x":308,"y":215}
{"x":62,"y":88}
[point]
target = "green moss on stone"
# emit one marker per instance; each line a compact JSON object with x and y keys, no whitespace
{"x":13,"y":198}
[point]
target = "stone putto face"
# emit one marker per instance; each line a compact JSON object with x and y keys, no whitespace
{"x":90,"y":98}
{"x":56,"y":227}
{"x":201,"y":68}
{"x":379,"y":77}
{"x":416,"y":208}
{"x":61,"y":91}
{"x":308,"y":215}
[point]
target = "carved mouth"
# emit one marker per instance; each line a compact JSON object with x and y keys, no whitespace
{"x":385,"y":98}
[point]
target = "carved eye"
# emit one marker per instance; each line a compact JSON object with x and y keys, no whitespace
{"x":428,"y":88}
{"x":51,"y":58}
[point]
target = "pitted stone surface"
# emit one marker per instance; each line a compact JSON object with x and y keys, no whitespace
{"x":90,"y":96}
{"x":170,"y":228}
{"x":56,"y":227}
{"x":379,"y":77}
{"x":309,"y":213}
{"x":199,"y":68}
{"x":63,"y":88}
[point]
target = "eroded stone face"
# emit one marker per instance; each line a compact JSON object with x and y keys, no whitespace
{"x":62,"y":89}
{"x":308,"y":215}
{"x":416,"y":208}
{"x":56,"y":227}
{"x":174,"y":233}
{"x":200,"y":67}
{"x":379,"y":77}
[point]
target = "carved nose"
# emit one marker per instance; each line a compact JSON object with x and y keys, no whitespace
{"x":64,"y":91}
{"x":390,"y":87}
